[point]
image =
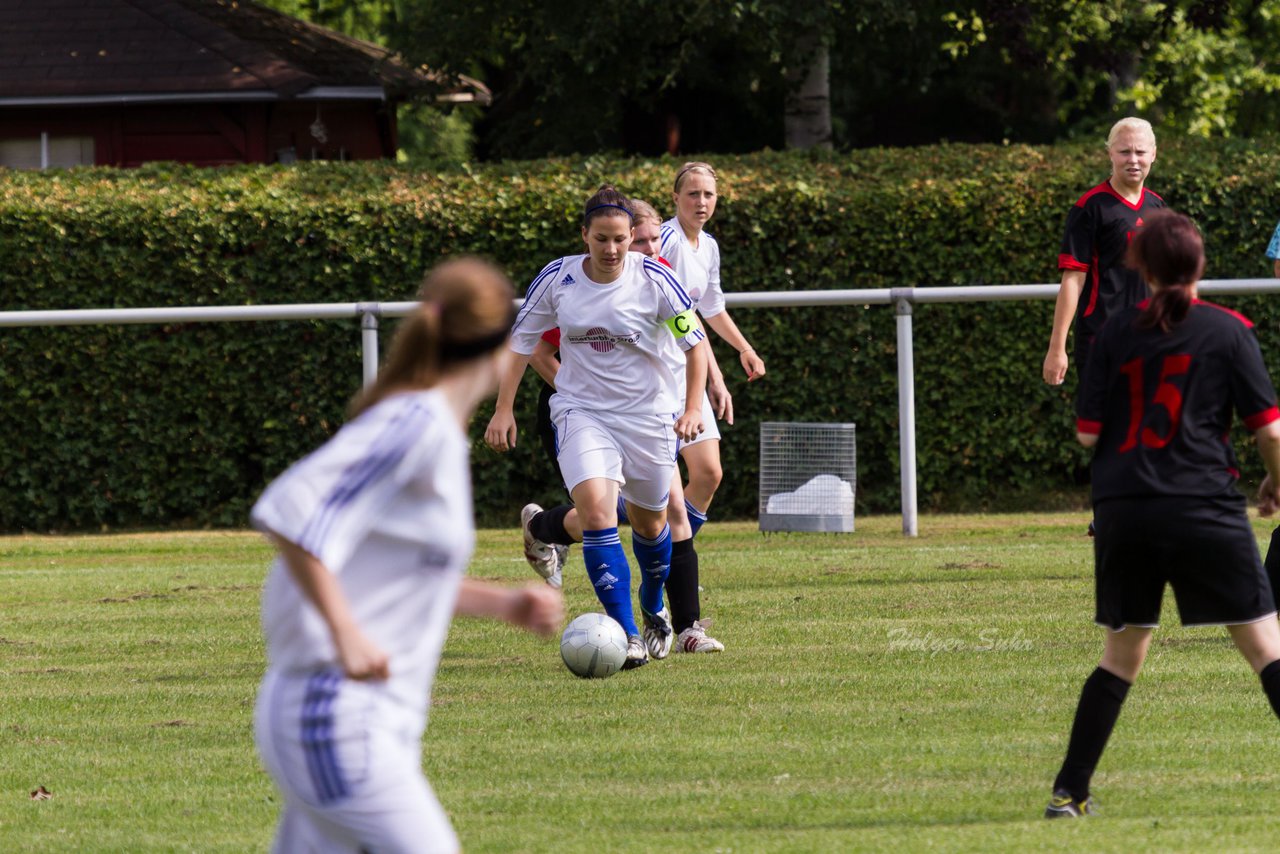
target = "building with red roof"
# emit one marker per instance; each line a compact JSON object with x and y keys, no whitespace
{"x":207,"y":82}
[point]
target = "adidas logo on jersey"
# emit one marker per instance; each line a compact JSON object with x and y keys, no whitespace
{"x":567,"y":280}
{"x":606,"y":581}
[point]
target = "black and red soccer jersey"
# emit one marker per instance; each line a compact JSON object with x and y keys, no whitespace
{"x":1097,"y":236}
{"x":1161,"y":403}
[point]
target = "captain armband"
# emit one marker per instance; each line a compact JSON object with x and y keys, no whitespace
{"x":683,"y":323}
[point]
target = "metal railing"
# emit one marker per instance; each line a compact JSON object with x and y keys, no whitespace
{"x":902,"y":300}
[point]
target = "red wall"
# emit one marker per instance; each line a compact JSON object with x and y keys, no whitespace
{"x":214,"y":134}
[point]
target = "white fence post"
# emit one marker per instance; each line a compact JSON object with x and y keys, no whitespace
{"x":902,"y":298}
{"x":369,"y":312}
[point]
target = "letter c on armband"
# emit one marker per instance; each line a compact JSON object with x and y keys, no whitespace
{"x":682,"y":324}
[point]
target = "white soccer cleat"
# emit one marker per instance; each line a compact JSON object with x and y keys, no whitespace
{"x":637,"y":653}
{"x":657,"y":632}
{"x":694,"y":639}
{"x":556,"y":579}
{"x":541,"y":556}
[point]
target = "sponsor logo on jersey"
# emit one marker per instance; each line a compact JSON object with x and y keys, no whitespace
{"x":602,"y":340}
{"x":568,"y":279}
{"x":606,"y":581}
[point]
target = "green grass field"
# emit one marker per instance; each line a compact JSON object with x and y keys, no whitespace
{"x":877,"y":693}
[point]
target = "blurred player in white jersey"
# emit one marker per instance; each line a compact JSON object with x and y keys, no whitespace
{"x":695,"y":257}
{"x":616,"y":409}
{"x":374,"y":531}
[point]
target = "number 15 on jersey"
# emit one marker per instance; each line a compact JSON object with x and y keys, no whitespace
{"x":1168,"y":396}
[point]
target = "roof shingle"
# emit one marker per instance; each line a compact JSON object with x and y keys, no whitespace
{"x":52,"y":48}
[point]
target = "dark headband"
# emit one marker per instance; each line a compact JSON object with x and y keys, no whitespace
{"x":590,"y":211}
{"x":457,"y":351}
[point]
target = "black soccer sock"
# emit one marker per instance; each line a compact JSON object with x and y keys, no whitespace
{"x":1100,"y":703}
{"x":548,"y":526}
{"x":682,"y":586}
{"x":1270,"y":677}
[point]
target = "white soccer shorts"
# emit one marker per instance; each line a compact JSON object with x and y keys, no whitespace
{"x":348,"y":762}
{"x":637,"y":451}
{"x":709,"y":428}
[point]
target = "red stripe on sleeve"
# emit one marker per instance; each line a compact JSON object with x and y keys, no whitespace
{"x":1091,"y":428}
{"x":1066,"y":262}
{"x":1094,"y":273}
{"x":1262,"y":419}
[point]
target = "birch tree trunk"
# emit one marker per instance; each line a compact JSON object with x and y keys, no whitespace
{"x":808,"y":106}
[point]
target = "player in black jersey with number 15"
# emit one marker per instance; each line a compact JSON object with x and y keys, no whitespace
{"x":1156,"y":404}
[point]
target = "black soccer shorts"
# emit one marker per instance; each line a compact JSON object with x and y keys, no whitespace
{"x":1203,"y":547}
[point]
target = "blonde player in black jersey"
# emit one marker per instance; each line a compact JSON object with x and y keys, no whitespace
{"x":1095,"y":280}
{"x":1163,"y":379}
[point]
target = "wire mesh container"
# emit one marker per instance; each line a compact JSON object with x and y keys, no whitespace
{"x":808,"y":476}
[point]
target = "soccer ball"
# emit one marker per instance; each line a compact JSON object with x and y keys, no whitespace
{"x":594,"y":646}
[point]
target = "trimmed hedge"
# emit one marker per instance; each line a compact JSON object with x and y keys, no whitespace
{"x":184,"y":423}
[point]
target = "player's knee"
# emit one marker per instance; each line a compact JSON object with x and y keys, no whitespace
{"x":706,"y":478}
{"x":1125,"y":653}
{"x":598,"y":518}
{"x":677,"y":515}
{"x":649,"y":524}
{"x":1258,"y":642}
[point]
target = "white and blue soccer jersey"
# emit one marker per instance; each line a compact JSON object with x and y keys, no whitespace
{"x":1273,"y":248}
{"x":386,"y":506}
{"x":698,"y":269}
{"x":612,"y":336}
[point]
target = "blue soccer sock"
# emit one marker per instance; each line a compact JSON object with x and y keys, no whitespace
{"x":654,"y":559}
{"x":696,"y":517}
{"x":610,"y":575}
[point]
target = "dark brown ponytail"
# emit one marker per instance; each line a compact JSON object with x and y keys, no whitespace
{"x":467,"y":309}
{"x":1168,"y":308}
{"x":1169,"y":253}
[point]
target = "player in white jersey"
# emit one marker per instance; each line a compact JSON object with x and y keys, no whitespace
{"x":658,"y":636}
{"x":695,"y":256}
{"x":615,"y":411}
{"x":374,"y":531}
{"x":688,"y":630}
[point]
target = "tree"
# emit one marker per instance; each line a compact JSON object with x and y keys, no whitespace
{"x":371,"y":20}
{"x":429,"y":133}
{"x":740,"y":75}
{"x":1215,"y":69}
{"x":581,"y":76}
{"x":808,"y":105}
{"x":1203,"y":67}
